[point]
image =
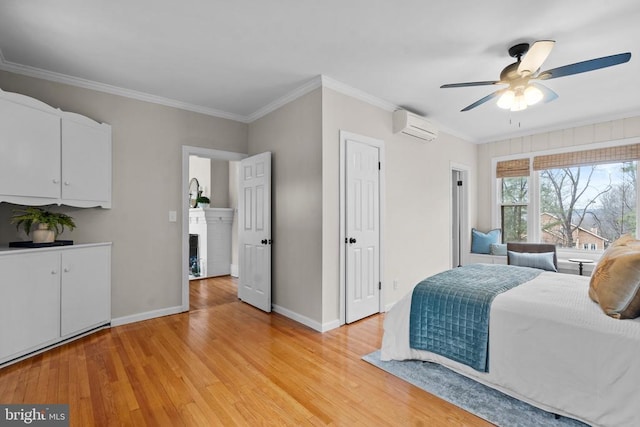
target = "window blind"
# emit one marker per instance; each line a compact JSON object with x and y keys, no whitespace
{"x":512,"y":168}
{"x":587,"y":157}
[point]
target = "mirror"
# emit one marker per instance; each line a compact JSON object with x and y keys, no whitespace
{"x":194,"y":192}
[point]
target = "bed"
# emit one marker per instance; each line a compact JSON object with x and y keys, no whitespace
{"x":549,"y":345}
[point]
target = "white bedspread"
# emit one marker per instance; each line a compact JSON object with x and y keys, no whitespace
{"x":550,"y":346}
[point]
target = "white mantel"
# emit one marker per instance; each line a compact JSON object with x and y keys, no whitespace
{"x":213,"y":227}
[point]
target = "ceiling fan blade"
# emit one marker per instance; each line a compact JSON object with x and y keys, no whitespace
{"x":547,"y":94}
{"x":469,"y":84}
{"x":584,"y":66}
{"x":534,"y":58}
{"x":483,"y":100}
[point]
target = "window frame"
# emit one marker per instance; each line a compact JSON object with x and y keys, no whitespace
{"x":533,"y":220}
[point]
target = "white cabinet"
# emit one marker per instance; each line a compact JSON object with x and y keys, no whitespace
{"x":29,"y":150}
{"x":29,"y":302}
{"x":85,"y":289}
{"x":49,"y":156}
{"x":50,"y":295}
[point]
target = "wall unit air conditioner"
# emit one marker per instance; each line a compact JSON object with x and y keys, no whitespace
{"x":414,"y":125}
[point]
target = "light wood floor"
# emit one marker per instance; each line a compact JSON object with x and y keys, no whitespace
{"x":225,"y":363}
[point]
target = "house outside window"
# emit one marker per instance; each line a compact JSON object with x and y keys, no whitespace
{"x":578,"y":201}
{"x":587,"y":207}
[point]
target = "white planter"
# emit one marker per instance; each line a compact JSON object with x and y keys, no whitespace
{"x":43,"y":235}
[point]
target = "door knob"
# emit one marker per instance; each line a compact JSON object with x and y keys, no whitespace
{"x":263,"y":241}
{"x":351,"y":240}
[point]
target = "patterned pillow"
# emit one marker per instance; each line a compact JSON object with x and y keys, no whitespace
{"x":543,"y":260}
{"x":615,"y":282}
{"x":481,"y":242}
{"x":498,"y":249}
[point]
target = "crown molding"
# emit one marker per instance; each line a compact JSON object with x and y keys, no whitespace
{"x":114,"y":90}
{"x":296,"y":93}
{"x":344,"y":89}
{"x":314,"y":83}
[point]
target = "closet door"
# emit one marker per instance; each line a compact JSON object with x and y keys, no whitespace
{"x":29,"y":151}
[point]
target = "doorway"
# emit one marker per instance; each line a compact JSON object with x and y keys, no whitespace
{"x":361,"y":223}
{"x":458,"y":214}
{"x":205,"y":153}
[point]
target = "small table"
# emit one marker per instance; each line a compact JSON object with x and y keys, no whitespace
{"x":581,"y":262}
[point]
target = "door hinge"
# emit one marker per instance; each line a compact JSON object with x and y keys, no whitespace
{"x":379,"y":167}
{"x":380,"y":285}
{"x":459,"y":183}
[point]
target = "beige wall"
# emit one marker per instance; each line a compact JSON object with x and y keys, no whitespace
{"x":293,"y":135}
{"x":417,"y":216}
{"x":219,"y":184}
{"x":570,"y":137}
{"x":147,"y":140}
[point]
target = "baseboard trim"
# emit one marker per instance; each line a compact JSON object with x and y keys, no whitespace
{"x":317,"y":326}
{"x":234,"y":271}
{"x":119,"y":321}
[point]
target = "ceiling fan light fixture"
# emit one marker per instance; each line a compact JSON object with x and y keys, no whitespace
{"x":533,"y":95}
{"x":506,"y":99}
{"x":519,"y":102}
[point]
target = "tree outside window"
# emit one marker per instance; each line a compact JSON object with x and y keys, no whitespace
{"x":588,"y":206}
{"x":514,"y":206}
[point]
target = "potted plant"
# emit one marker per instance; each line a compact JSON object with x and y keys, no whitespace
{"x":48,"y":224}
{"x":203,"y":201}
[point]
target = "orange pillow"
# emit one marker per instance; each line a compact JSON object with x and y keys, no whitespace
{"x":615,"y":282}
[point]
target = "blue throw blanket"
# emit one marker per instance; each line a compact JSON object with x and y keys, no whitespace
{"x":450,"y":310}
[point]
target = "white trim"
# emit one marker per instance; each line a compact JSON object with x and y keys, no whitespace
{"x":378,"y":143}
{"x":345,"y":89}
{"x":317,"y":326}
{"x":138,"y":317}
{"x":235,"y":271}
{"x":314,"y":83}
{"x":40,"y":73}
{"x":296,"y":93}
{"x":202,"y":152}
{"x":464,"y":210}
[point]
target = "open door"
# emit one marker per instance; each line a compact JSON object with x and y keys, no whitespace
{"x":254,"y":231}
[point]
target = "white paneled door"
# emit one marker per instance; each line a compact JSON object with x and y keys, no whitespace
{"x":362,"y":172}
{"x":254,"y":231}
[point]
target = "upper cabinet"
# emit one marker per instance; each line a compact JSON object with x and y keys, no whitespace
{"x":49,"y":156}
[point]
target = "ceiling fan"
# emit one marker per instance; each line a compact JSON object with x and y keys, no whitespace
{"x":522,"y":76}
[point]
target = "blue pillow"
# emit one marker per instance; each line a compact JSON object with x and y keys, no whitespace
{"x":481,"y":242}
{"x":543,"y":261}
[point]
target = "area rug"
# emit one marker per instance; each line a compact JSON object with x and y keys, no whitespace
{"x":480,"y":400}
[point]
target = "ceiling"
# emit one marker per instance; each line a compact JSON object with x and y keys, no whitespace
{"x":234,"y":58}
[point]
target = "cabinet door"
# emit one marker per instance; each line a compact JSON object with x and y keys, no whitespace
{"x":29,"y":151}
{"x":86,"y":162}
{"x":86,"y":289}
{"x":29,"y":302}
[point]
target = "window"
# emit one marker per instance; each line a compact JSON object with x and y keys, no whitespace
{"x":585,"y":207}
{"x":580,"y":200}
{"x":514,"y":209}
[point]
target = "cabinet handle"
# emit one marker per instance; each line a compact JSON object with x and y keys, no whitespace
{"x":67,"y":269}
{"x":56,"y":181}
{"x":66,"y":183}
{"x":54,"y":272}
